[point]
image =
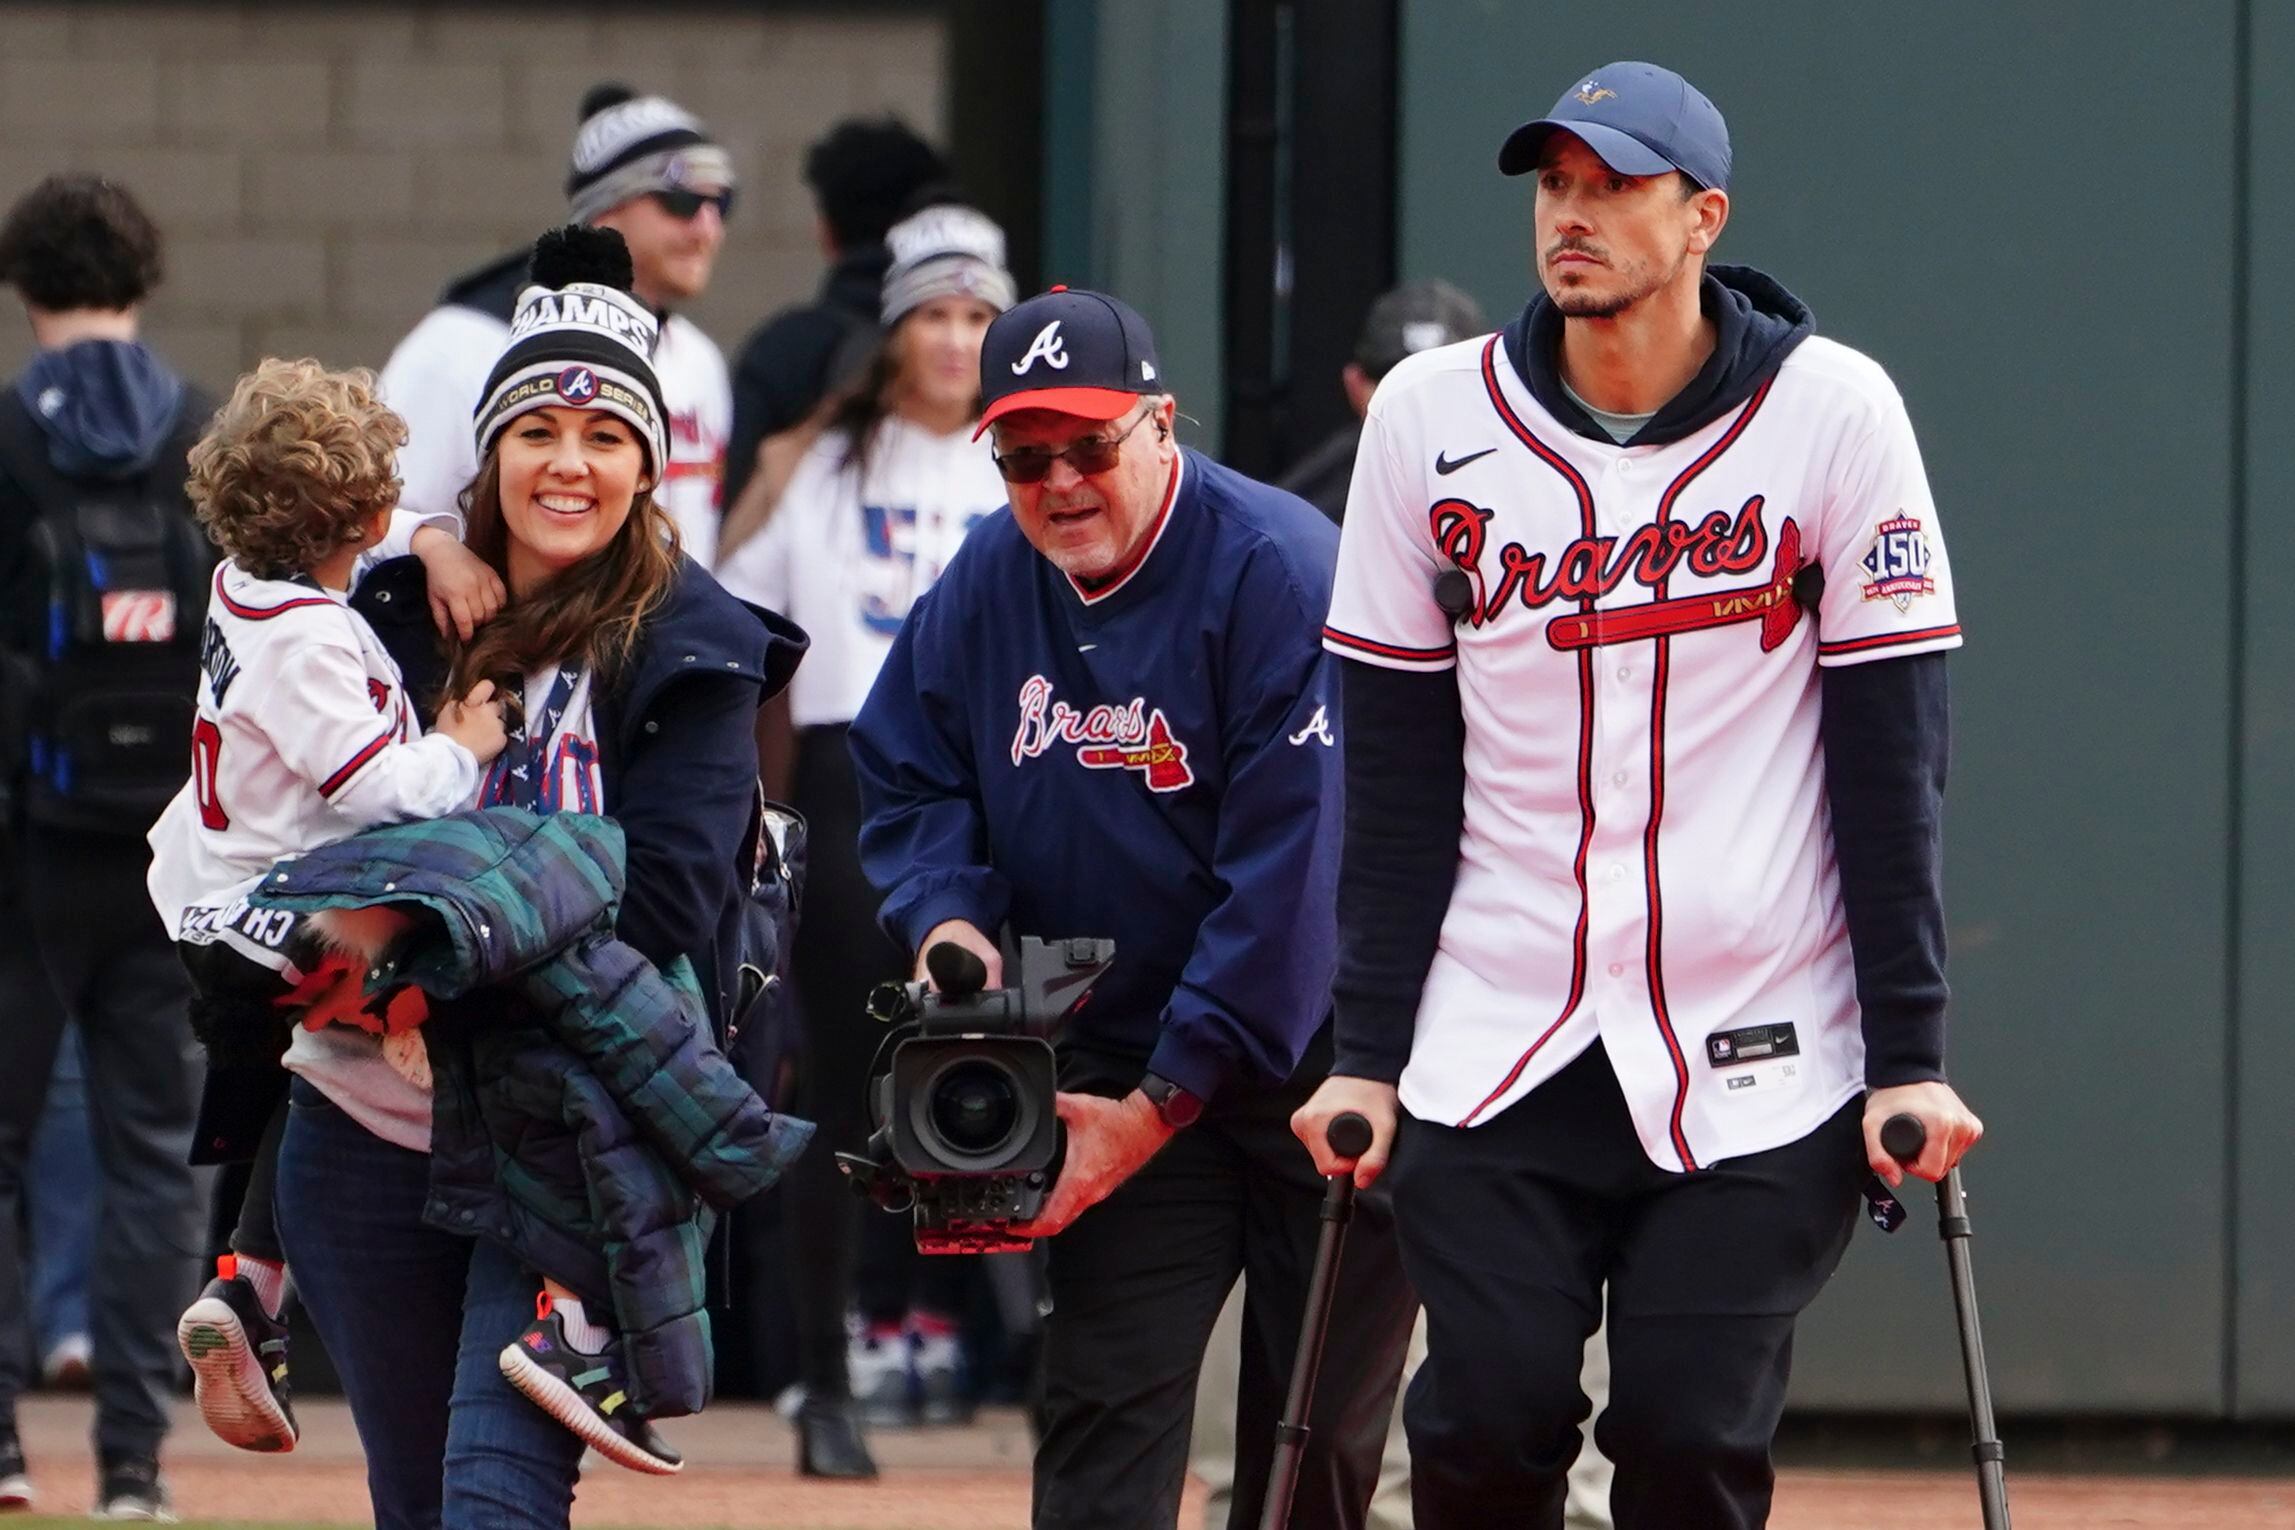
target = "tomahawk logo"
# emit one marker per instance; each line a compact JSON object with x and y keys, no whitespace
{"x":1047,"y":347}
{"x":1130,"y":737}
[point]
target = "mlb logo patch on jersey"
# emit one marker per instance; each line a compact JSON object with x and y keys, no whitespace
{"x":139,"y":616}
{"x":1897,"y":562}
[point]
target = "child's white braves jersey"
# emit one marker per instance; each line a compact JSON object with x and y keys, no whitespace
{"x":434,"y":377}
{"x":304,"y":736}
{"x":1647,"y":854}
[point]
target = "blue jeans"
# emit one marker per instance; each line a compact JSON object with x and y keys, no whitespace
{"x":63,"y":1189}
{"x":414,"y":1320}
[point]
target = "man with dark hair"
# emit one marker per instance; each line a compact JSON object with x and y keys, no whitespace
{"x":1417,"y":316}
{"x":103,"y":579}
{"x":866,"y":175}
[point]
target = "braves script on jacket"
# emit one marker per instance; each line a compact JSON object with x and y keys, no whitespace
{"x":1155,"y":761}
{"x":1647,"y":856}
{"x":305,"y":736}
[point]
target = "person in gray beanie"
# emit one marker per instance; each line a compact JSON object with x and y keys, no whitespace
{"x":648,"y":169}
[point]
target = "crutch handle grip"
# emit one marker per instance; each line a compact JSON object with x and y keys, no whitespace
{"x":1903,"y":1137}
{"x":1349,"y":1134}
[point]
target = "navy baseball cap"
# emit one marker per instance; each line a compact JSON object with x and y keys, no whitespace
{"x":1070,"y":351}
{"x":1641,"y":119}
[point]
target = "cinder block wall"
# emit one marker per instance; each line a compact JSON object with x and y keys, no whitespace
{"x":321,"y":169}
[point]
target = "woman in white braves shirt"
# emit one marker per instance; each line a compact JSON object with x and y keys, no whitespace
{"x":869,"y":518}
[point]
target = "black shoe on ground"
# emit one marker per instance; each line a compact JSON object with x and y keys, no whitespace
{"x":585,"y":1393}
{"x":130,"y":1488}
{"x":830,"y":1443}
{"x":15,"y":1483}
{"x":238,"y":1356}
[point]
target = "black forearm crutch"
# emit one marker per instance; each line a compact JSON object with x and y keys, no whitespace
{"x":1349,"y":1136}
{"x":1902,"y":1138}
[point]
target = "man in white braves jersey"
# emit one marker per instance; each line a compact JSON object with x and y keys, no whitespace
{"x":1655,"y":943}
{"x":646,"y":168}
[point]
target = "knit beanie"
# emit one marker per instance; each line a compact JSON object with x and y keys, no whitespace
{"x":630,"y":144}
{"x":579,"y":340}
{"x":945,"y":251}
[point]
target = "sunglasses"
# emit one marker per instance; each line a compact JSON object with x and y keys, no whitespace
{"x":1087,"y":455}
{"x":685,"y":206}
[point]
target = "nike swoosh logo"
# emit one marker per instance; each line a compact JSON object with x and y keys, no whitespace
{"x":1447,"y":465}
{"x":1086,"y":647}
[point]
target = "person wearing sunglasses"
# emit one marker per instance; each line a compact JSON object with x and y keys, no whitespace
{"x":871,"y":514}
{"x":1111,"y":718}
{"x":648,"y":169}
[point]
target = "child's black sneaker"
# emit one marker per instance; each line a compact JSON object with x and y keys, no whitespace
{"x":238,"y":1356}
{"x":585,"y":1393}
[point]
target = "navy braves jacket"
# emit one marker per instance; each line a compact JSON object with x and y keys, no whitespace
{"x":1156,"y":763}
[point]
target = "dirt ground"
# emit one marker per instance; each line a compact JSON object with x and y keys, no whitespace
{"x":741,"y":1478}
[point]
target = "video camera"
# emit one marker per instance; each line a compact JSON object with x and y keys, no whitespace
{"x":963,"y":1127}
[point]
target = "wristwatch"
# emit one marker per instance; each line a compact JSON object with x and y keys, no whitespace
{"x":1177,"y":1107}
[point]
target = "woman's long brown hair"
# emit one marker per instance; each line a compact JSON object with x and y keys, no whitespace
{"x":588,"y":614}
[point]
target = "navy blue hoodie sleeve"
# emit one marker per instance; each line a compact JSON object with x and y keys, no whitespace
{"x":1257,"y":984}
{"x":1406,"y":795}
{"x":1887,"y":734}
{"x":924,"y":838}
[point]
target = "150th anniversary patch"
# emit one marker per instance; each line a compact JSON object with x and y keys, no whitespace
{"x":1896,"y":565}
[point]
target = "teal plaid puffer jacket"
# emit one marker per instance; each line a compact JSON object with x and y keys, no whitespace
{"x":583,"y":1115}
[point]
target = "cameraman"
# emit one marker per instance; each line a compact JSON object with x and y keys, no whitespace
{"x":1110,"y":718}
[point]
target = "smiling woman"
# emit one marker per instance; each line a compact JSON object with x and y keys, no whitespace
{"x":640,"y":681}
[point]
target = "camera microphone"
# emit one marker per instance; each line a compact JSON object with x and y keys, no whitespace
{"x":956,"y":972}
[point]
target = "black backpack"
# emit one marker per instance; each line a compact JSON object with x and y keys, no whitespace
{"x":99,"y":675}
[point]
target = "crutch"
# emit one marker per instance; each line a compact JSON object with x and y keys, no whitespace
{"x":1902,"y":1138}
{"x":1349,"y":1136}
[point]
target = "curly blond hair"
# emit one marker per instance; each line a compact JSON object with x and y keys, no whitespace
{"x":295,"y":465}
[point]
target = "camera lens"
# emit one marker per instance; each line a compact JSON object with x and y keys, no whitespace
{"x":975,"y":1107}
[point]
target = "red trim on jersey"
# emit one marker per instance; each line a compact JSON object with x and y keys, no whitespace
{"x":1888,"y":640}
{"x":351,"y":766}
{"x":1654,"y":956}
{"x":1332,"y":634}
{"x":1577,"y":482}
{"x":262,"y":613}
{"x":1122,"y":576}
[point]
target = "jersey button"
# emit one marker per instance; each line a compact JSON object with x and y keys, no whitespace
{"x":1619,"y":779}
{"x":1617,"y":969}
{"x":1617,"y":873}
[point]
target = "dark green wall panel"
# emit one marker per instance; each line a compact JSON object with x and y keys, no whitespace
{"x":2029,"y":222}
{"x":2262,"y":1334}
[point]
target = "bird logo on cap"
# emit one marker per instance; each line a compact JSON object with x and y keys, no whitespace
{"x":1590,"y":92}
{"x":577,"y":385}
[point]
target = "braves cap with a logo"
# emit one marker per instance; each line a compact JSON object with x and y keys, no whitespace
{"x":579,"y":340}
{"x":1069,"y":351}
{"x":1640,"y":118}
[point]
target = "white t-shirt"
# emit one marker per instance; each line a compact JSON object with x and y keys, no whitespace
{"x":1648,"y":852}
{"x":434,"y":377}
{"x":847,"y":552}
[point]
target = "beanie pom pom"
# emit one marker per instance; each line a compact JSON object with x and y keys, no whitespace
{"x":579,"y":253}
{"x":604,"y":94}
